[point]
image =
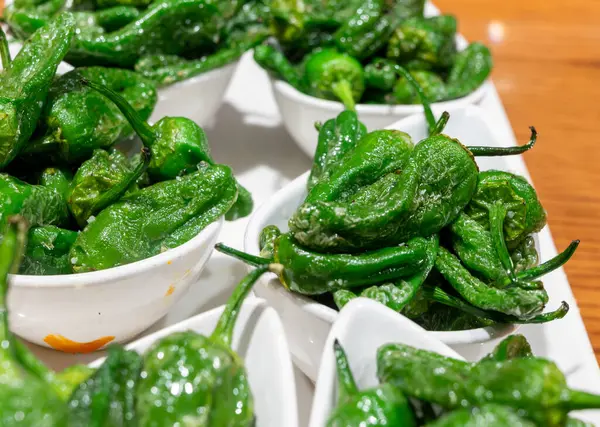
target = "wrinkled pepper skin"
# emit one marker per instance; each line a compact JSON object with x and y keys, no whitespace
{"x":533,"y":385}
{"x":107,"y":398}
{"x":525,"y":255}
{"x":38,"y":204}
{"x":489,"y":415}
{"x":25,"y":84}
{"x":384,"y":405}
{"x":21,"y":393}
{"x":76,"y":119}
{"x":347,"y":37}
{"x":192,"y":379}
{"x":471,"y":68}
{"x":47,"y":251}
{"x":336,"y":137}
{"x":437,"y":181}
{"x":154,"y":219}
{"x":511,"y":347}
{"x":433,"y":87}
{"x":313,"y":273}
{"x":267,"y":238}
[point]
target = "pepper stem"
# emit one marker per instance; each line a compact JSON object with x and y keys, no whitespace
{"x":347,"y":385}
{"x":497,"y":214}
{"x":224,"y":330}
{"x":429,"y":117}
{"x":253,"y":260}
{"x":116,"y":192}
{"x":582,"y":400}
{"x":505,"y":151}
{"x":343,"y":91}
{"x":143,"y":129}
{"x":441,"y":123}
{"x":4,"y":50}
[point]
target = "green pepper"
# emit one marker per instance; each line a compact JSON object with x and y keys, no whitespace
{"x":381,"y":74}
{"x":154,"y":219}
{"x":534,"y":386}
{"x":192,"y":379}
{"x":76,"y":120}
{"x":275,"y":62}
{"x":267,"y":238}
{"x":107,"y":398}
{"x":336,"y":137}
{"x":384,"y":405}
{"x":471,"y":68}
{"x":510,"y":347}
{"x":24,"y":84}
{"x":433,"y":86}
{"x":26,"y":400}
{"x":329,"y":74}
{"x":313,"y":273}
{"x":103,"y":4}
{"x":525,"y":255}
{"x":177,"y":146}
{"x":490,"y":415}
{"x":347,"y":37}
{"x":102,"y":180}
{"x":5,"y":58}
{"x":47,"y":251}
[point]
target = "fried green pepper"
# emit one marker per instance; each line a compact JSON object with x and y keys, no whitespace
{"x":5,"y":58}
{"x":47,"y":251}
{"x":510,"y":347}
{"x":76,"y":119}
{"x":534,"y":386}
{"x":489,"y":415}
{"x":154,"y":219}
{"x":471,"y":68}
{"x":25,"y":82}
{"x":384,"y":405}
{"x":267,"y":238}
{"x":432,"y":85}
{"x":348,"y":37}
{"x":177,"y":146}
{"x":192,"y":379}
{"x":275,"y":62}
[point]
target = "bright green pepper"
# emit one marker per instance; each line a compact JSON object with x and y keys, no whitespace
{"x":267,"y":238}
{"x":154,"y":219}
{"x":5,"y":58}
{"x":510,"y":347}
{"x":25,"y":82}
{"x":384,"y":405}
{"x":76,"y":120}
{"x":177,"y":146}
{"x":192,"y":379}
{"x":275,"y":62}
{"x":381,"y":74}
{"x":47,"y":251}
{"x":489,"y":415}
{"x":433,"y":86}
{"x":471,"y":68}
{"x":102,"y":4}
{"x":107,"y":398}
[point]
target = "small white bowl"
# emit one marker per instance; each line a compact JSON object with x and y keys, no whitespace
{"x":307,"y":323}
{"x":259,"y":339}
{"x":363,"y":326}
{"x":106,"y":306}
{"x":197,"y":98}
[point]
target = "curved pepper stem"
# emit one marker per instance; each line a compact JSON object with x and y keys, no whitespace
{"x":143,"y":129}
{"x":4,"y":50}
{"x":253,"y":260}
{"x":505,"y":151}
{"x":582,"y":400}
{"x":347,"y":385}
{"x":224,"y":330}
{"x":429,"y":117}
{"x":441,"y":123}
{"x":343,"y":91}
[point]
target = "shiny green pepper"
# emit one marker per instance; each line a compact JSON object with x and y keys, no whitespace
{"x":154,"y":219}
{"x":471,"y":68}
{"x":432,"y":85}
{"x":510,"y":347}
{"x":25,"y":82}
{"x":47,"y":251}
{"x":267,"y":238}
{"x":76,"y":119}
{"x":192,"y":379}
{"x":383,"y":405}
{"x":275,"y":62}
{"x":489,"y":415}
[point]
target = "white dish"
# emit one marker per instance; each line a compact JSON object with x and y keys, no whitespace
{"x":300,"y":111}
{"x":112,"y":305}
{"x":307,"y":323}
{"x":361,"y":328}
{"x":259,"y":339}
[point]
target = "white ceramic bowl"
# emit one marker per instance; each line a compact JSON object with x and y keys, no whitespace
{"x":307,"y":323}
{"x":300,"y":111}
{"x":83,"y":312}
{"x":259,"y":339}
{"x":362,"y":327}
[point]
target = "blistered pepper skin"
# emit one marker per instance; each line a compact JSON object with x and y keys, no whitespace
{"x":470,"y":70}
{"x":47,"y":251}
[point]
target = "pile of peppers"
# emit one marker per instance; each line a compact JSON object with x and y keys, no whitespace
{"x":165,"y":41}
{"x":508,"y":387}
{"x":416,"y":227}
{"x":185,"y":378}
{"x":351,"y":51}
{"x":90,"y":206}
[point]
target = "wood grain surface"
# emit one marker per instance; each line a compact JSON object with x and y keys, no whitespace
{"x":547,"y":71}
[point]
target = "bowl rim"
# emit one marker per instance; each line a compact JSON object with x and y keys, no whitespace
{"x":96,"y":278}
{"x":207,"y":75}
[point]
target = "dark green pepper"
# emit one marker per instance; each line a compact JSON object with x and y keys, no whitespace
{"x":192,"y":379}
{"x":24,"y":84}
{"x":471,"y":68}
{"x":347,"y":37}
{"x":432,"y":85}
{"x":525,"y":255}
{"x":336,"y":137}
{"x":76,"y":120}
{"x":383,"y":405}
{"x":177,"y":146}
{"x":47,"y":251}
{"x":510,"y":347}
{"x":5,"y":58}
{"x":489,"y":415}
{"x":102,"y":4}
{"x":107,"y":398}
{"x":381,"y":74}
{"x":275,"y":62}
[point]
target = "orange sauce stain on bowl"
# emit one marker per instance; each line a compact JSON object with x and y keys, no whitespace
{"x":169,"y":262}
{"x":170,"y":290}
{"x":60,"y":343}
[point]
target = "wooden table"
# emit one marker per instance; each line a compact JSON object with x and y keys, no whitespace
{"x":547,"y":71}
